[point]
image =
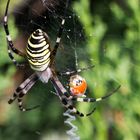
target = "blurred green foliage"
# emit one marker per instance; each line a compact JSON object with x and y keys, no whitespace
{"x":112,"y":43}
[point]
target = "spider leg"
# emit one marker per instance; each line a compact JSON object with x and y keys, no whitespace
{"x":93,"y":99}
{"x":20,"y":105}
{"x":24,"y":92}
{"x":74,"y":71}
{"x":23,"y":88}
{"x":59,"y":34}
{"x":9,"y":40}
{"x":74,"y":110}
{"x":68,"y":104}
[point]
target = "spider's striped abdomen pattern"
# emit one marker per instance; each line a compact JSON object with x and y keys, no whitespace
{"x":38,"y":50}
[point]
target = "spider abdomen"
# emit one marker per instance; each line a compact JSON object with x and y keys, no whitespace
{"x":38,"y":50}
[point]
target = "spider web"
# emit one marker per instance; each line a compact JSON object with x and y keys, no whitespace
{"x":49,"y":21}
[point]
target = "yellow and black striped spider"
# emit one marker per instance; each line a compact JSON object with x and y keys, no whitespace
{"x":41,"y":60}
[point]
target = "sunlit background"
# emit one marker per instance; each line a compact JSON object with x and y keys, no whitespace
{"x":102,"y":33}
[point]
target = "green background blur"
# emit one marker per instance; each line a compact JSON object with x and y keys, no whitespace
{"x":112,"y":44}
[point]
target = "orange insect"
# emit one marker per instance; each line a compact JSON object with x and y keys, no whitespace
{"x":77,"y":85}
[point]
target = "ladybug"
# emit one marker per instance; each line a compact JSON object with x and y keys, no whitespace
{"x":77,"y":85}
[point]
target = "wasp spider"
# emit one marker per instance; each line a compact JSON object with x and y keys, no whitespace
{"x":41,"y":60}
